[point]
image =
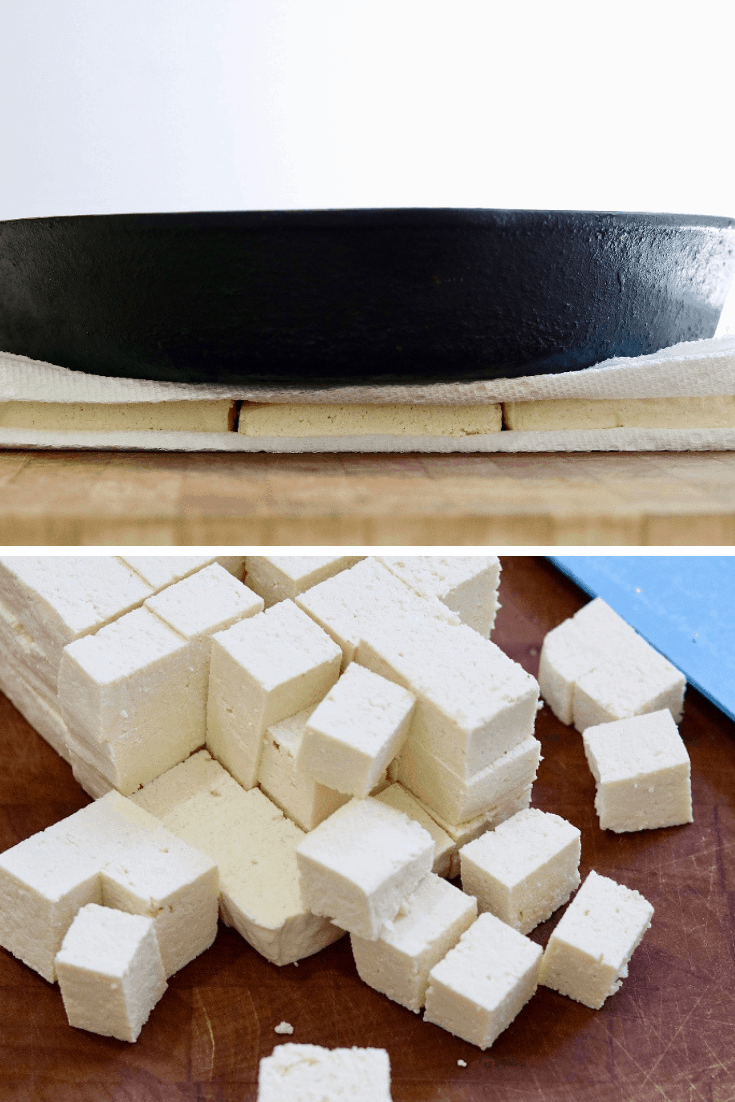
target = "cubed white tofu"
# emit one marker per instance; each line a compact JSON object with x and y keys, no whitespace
{"x":131,"y":698}
{"x":643,"y":773}
{"x":249,"y":838}
{"x":59,"y":598}
{"x":308,"y":1073}
{"x":365,"y":595}
{"x":110,"y":972}
{"x":458,"y":800}
{"x":482,"y":984}
{"x":595,"y":668}
{"x":281,"y":577}
{"x":473,"y":702}
{"x":524,"y":869}
{"x":463,"y":833}
{"x":360,"y":864}
{"x":355,"y":731}
{"x":467,"y":584}
{"x":587,"y":954}
{"x":428,"y":925}
{"x":112,"y":853}
{"x":395,"y":795}
{"x":296,"y":792}
{"x":263,"y":670}
{"x":160,"y":571}
{"x":34,"y":701}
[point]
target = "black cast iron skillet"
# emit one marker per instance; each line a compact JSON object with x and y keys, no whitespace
{"x":323,"y":298}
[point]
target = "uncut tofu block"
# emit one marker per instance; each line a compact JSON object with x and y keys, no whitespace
{"x":254,"y":846}
{"x":361,"y":864}
{"x":594,"y":668}
{"x":467,"y":584}
{"x":364,"y":596}
{"x":355,"y":731}
{"x":296,"y":792}
{"x":281,"y":577}
{"x":480,"y":986}
{"x":587,"y":954}
{"x":473,"y":702}
{"x":308,"y":1073}
{"x":445,"y":848}
{"x":524,"y":869}
{"x":458,"y":800}
{"x":643,"y":773}
{"x":59,"y":598}
{"x":428,"y":925}
{"x":110,"y":972}
{"x":131,"y":699}
{"x":112,"y":853}
{"x":263,"y":670}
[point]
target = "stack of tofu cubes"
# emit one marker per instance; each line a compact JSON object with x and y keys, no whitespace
{"x":305,"y":754}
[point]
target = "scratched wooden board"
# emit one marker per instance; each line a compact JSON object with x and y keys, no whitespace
{"x":665,"y":1036}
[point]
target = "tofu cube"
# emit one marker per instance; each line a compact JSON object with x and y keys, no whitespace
{"x":263,"y":670}
{"x":307,"y":1073}
{"x":360,"y":865}
{"x":249,"y":838}
{"x":163,"y":570}
{"x":524,"y":869}
{"x":110,"y":972}
{"x":594,"y":668}
{"x":366,"y":595}
{"x":458,"y":800}
{"x":303,"y":799}
{"x":395,"y":795}
{"x":356,"y":731}
{"x":466,"y":584}
{"x":473,"y":702}
{"x":587,"y":954}
{"x":282,"y":577}
{"x":131,"y":699}
{"x":428,"y":925}
{"x":480,"y":986}
{"x":643,"y":773}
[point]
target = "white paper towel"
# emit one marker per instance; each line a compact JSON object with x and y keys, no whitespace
{"x":691,"y":369}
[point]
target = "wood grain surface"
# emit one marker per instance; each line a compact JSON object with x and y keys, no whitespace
{"x":140,"y":498}
{"x":666,"y":1036}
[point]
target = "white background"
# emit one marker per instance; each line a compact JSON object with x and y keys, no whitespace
{"x":153,"y":105}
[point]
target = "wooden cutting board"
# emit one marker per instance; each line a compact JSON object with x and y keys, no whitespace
{"x":143,"y":498}
{"x":666,"y":1036}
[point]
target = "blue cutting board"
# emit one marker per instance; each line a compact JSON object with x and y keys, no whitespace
{"x":684,"y":606}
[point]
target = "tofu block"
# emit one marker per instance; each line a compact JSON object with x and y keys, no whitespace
{"x":59,"y":598}
{"x":643,"y":773}
{"x":594,"y":668}
{"x":361,"y":864}
{"x":296,"y":792}
{"x":308,"y":1073}
{"x":192,"y":415}
{"x":458,"y":800}
{"x":524,"y":869}
{"x":395,"y":795}
{"x":282,"y":577}
{"x":355,"y":731}
{"x":366,"y":595}
{"x":114,"y":854}
{"x":488,"y":820}
{"x":428,"y":925}
{"x":473,"y":702}
{"x":467,"y":584}
{"x":254,"y":846}
{"x":481,"y":985}
{"x":39,"y":708}
{"x":587,"y":954}
{"x":368,"y":419}
{"x":131,"y":696}
{"x":110,"y":972}
{"x":555,"y":414}
{"x":264,"y":669}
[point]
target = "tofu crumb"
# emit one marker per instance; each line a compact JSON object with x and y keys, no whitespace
{"x":461,"y":1063}
{"x":283,"y":1027}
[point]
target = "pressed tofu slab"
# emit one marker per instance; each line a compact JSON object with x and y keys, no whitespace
{"x":213,"y":415}
{"x":260,"y":419}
